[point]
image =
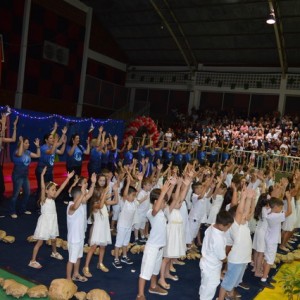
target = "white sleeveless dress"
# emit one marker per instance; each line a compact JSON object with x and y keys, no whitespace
{"x":175,"y":234}
{"x":260,"y":232}
{"x":289,"y":223}
{"x":47,"y":224}
{"x":215,"y":208}
{"x":101,"y":235}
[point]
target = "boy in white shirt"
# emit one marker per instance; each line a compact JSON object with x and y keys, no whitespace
{"x":143,"y":199}
{"x":127,"y":218}
{"x":197,"y":214}
{"x":153,"y":252}
{"x":213,"y":255}
{"x":76,"y":220}
{"x":273,"y":233}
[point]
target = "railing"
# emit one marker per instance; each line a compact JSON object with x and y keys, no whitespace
{"x":259,"y":160}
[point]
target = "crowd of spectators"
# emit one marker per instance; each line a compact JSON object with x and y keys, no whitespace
{"x":270,"y":133}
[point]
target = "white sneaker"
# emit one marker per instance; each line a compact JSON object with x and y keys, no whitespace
{"x":14,"y":216}
{"x":27,"y":212}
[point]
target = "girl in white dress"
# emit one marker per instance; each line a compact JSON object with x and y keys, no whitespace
{"x":288,"y":225}
{"x":47,"y":225}
{"x":217,"y":200}
{"x":176,"y":246}
{"x":100,"y":234}
{"x":261,"y":211}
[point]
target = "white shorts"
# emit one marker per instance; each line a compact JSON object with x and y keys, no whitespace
{"x":151,"y":261}
{"x":270,"y":253}
{"x":75,"y":251}
{"x":210,"y":279}
{"x":141,"y":225}
{"x":123,"y":236}
{"x":194,"y":227}
{"x":116,"y":212}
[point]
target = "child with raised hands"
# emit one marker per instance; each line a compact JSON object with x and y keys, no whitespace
{"x":273,"y":233}
{"x":127,"y":218}
{"x":47,"y":225}
{"x":240,"y":253}
{"x":100,"y":231}
{"x":213,"y":255}
{"x":76,"y":220}
{"x":176,"y":246}
{"x":153,"y":252}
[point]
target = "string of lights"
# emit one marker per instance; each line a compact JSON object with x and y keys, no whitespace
{"x":55,"y":116}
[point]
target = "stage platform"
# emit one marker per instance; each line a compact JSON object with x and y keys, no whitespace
{"x":59,"y":175}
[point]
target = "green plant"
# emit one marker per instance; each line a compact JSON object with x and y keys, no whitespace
{"x":291,"y":282}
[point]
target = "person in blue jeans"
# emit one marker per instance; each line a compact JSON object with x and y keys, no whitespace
{"x":22,"y":159}
{"x":4,"y":139}
{"x":49,"y":149}
{"x":76,"y":153}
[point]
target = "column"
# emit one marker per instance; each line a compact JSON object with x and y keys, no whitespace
{"x":282,"y":92}
{"x":23,"y":52}
{"x":88,"y":25}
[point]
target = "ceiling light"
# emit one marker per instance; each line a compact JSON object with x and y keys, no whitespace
{"x":271,"y":19}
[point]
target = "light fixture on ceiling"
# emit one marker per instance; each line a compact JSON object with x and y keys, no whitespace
{"x":271,"y":19}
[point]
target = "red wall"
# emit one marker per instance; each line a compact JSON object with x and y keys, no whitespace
{"x":49,"y":86}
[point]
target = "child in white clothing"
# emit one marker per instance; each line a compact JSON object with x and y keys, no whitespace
{"x":197,"y":215}
{"x":76,"y":220}
{"x":273,"y":233}
{"x":213,"y":254}
{"x":100,"y":231}
{"x":47,"y":225}
{"x":153,"y":251}
{"x":143,"y":199}
{"x":127,"y":218}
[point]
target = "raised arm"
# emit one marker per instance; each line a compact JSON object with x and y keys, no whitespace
{"x":20,"y":149}
{"x":38,"y":149}
{"x":63,"y":185}
{"x":176,"y":199}
{"x":99,"y":136}
{"x":158,"y":203}
{"x":289,"y":206}
{"x":88,"y":195}
{"x":115,"y":189}
{"x":88,"y":147}
{"x":14,"y":135}
{"x":43,"y":187}
{"x":77,"y":202}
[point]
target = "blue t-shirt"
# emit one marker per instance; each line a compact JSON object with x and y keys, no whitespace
{"x":150,"y":154}
{"x":113,"y":156}
{"x":75,"y":160}
{"x":168,"y":156}
{"x":178,"y":158}
{"x":21,"y":163}
{"x":128,"y":157}
{"x":141,"y":154}
{"x":201,"y":155}
{"x":187,"y":157}
{"x":213,"y":155}
{"x":46,"y":160}
{"x":158,"y":154}
{"x":105,"y":157}
{"x":95,"y":157}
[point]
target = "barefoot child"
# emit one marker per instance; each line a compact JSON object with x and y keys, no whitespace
{"x":47,"y":225}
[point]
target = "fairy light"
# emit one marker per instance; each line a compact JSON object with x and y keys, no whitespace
{"x":59,"y":117}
